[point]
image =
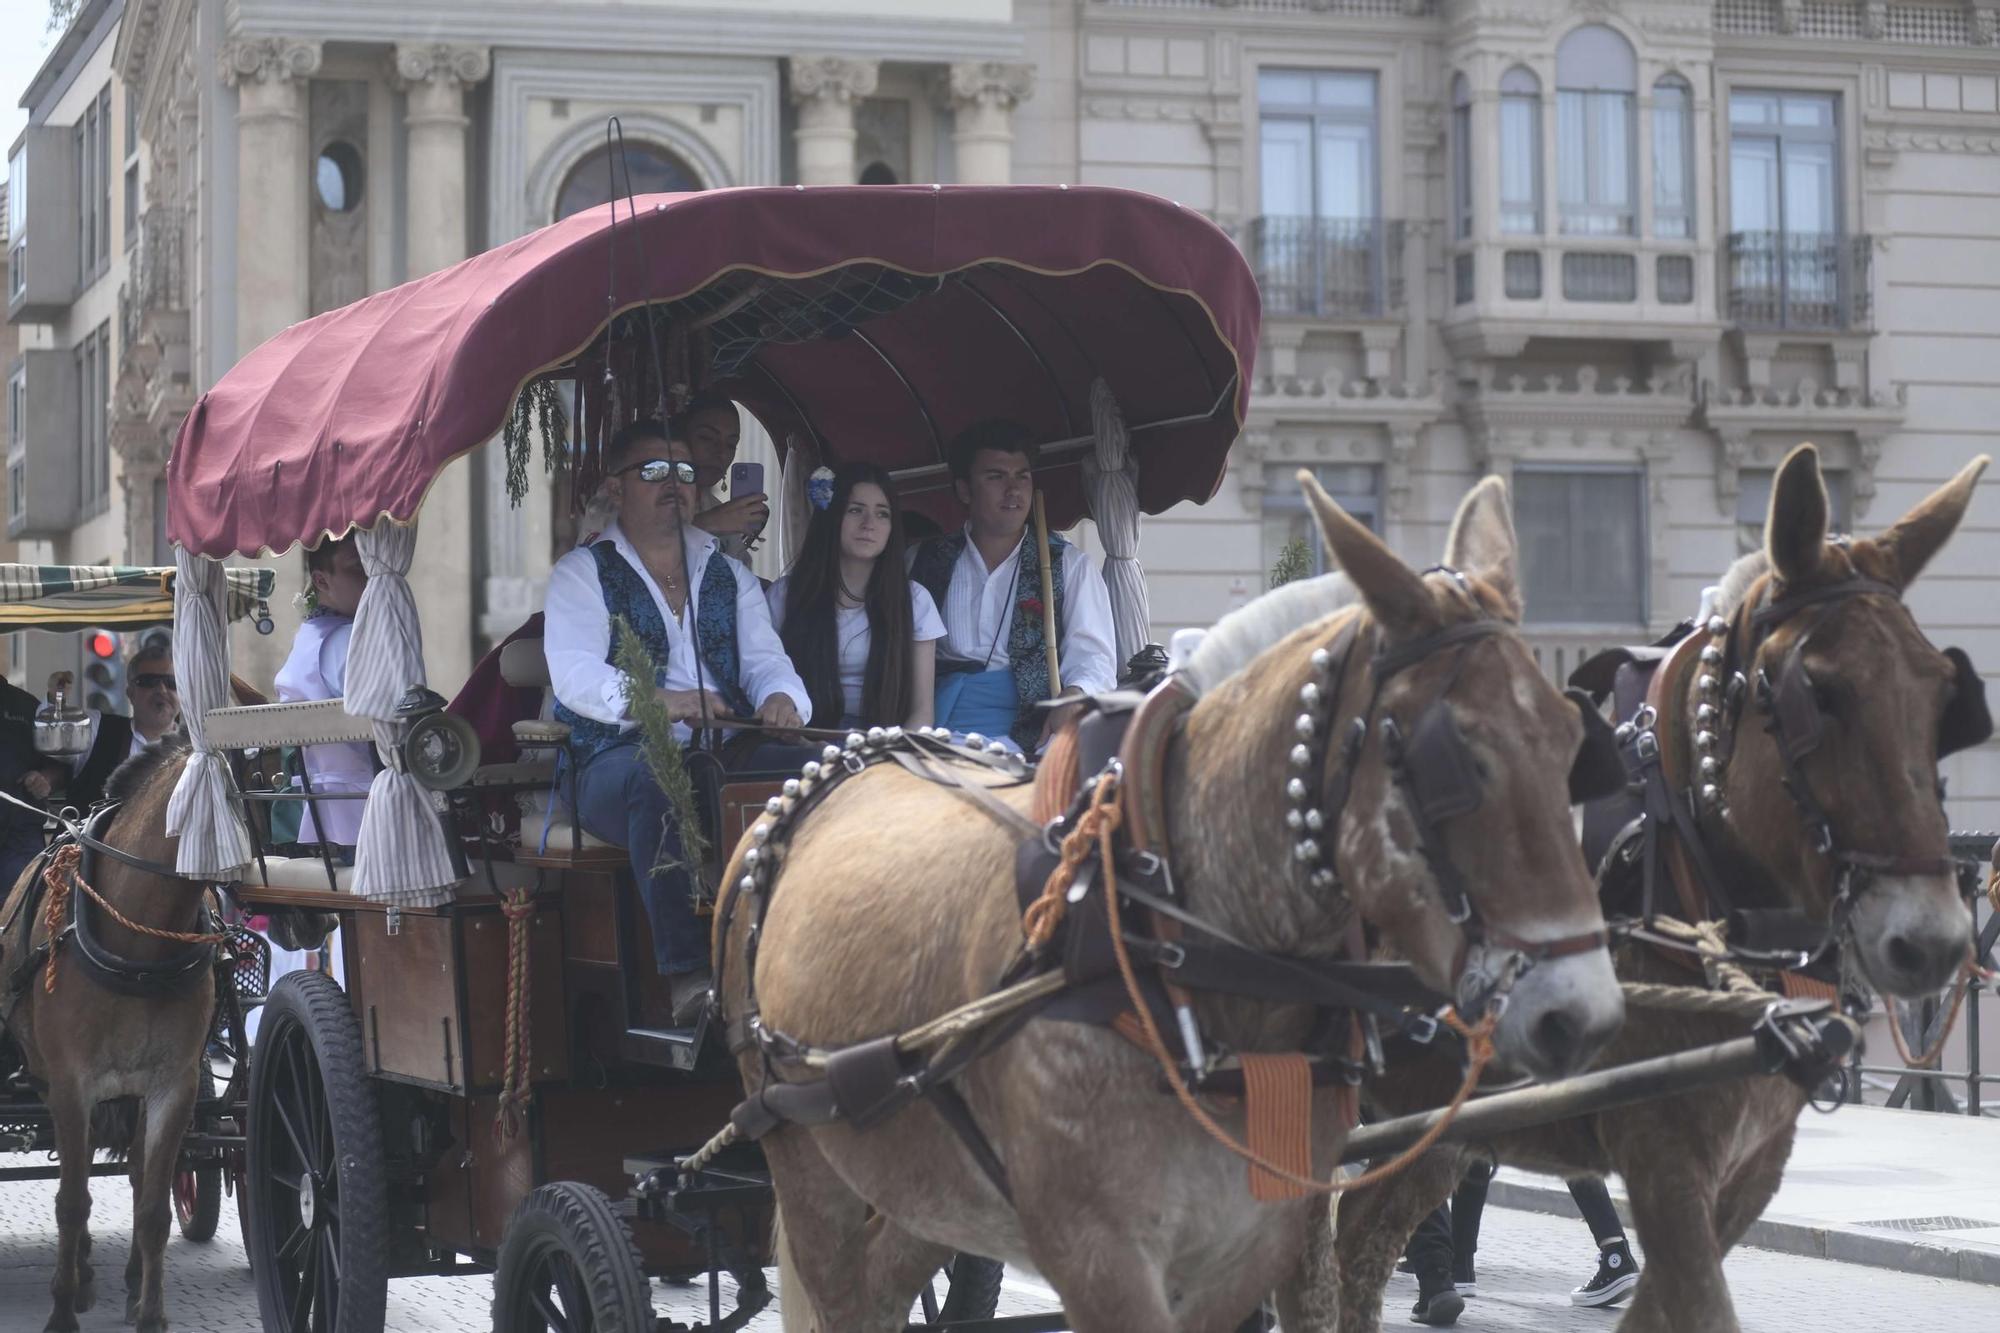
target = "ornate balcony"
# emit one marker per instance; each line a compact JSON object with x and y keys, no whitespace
{"x":1328,"y":268}
{"x":1798,"y":282}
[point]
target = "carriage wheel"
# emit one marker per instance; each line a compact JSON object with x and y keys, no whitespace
{"x":568,"y":1265}
{"x":971,"y":1290}
{"x":318,"y":1236}
{"x":198,"y":1189}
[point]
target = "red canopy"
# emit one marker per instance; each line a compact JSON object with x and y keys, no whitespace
{"x":891,"y":318}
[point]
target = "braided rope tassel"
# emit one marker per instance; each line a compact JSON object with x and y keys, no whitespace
{"x":515,"y":1081}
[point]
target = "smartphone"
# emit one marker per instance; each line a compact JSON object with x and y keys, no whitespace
{"x":745,"y":479}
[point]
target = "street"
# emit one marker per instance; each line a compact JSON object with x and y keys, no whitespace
{"x":1527,"y":1264}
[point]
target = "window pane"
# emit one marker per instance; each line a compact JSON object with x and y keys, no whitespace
{"x":1753,"y":184}
{"x":1461,"y":168}
{"x":1353,"y":92}
{"x":1521,"y":81}
{"x":1285,"y":85}
{"x":1753,"y":109}
{"x":1808,"y":204}
{"x":1808,"y":110}
{"x":1672,"y":207}
{"x":1346,"y":171}
{"x":1520,"y":159}
{"x":1287,"y":167}
{"x":1572,"y":151}
{"x":1596,"y":57}
{"x":1582,"y":545}
{"x":1611,"y":151}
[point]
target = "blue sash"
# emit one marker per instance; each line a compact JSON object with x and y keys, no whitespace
{"x":981,"y":701}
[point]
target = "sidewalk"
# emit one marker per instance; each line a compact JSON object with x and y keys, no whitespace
{"x":1907,"y":1190}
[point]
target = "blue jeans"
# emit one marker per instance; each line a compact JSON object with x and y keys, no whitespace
{"x":17,"y":848}
{"x":618,"y":801}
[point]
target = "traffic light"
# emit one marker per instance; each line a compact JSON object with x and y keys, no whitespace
{"x":103,"y":671}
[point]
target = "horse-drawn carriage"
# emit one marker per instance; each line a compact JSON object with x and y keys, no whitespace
{"x":493,"y":1082}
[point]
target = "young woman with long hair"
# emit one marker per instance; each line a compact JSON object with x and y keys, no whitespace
{"x":862,"y":636}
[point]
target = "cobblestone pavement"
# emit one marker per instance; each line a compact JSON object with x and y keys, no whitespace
{"x":1527,"y":1264}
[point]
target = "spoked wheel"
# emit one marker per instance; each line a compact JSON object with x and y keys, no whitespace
{"x":198,"y":1189}
{"x":314,"y":1178}
{"x":966,"y":1288}
{"x":568,"y":1265}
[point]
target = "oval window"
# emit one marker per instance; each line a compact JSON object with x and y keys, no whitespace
{"x":337,"y":177}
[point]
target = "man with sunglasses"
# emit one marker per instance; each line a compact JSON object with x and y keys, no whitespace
{"x":703,"y":618}
{"x":156,"y":710}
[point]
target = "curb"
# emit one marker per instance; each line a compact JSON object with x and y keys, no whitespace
{"x":1843,"y":1244}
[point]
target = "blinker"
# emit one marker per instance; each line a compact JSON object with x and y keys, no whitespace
{"x":1966,"y":720}
{"x":1437,"y":766}
{"x":1599,"y":770}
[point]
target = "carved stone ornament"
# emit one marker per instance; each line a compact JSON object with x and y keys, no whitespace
{"x":427,"y":62}
{"x":835,"y":78}
{"x":991,"y":82}
{"x":268,"y":60}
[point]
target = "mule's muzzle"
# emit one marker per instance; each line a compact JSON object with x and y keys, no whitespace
{"x":1913,"y":933}
{"x":1558,"y":1013}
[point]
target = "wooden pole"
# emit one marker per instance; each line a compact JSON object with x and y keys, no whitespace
{"x":1048,"y":598}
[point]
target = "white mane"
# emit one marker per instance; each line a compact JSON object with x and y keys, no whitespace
{"x":1736,"y":583}
{"x":1247,"y":631}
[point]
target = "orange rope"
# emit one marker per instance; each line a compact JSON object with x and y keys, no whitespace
{"x":519,"y":909}
{"x":1928,"y":1059}
{"x":61,"y":875}
{"x":1479,"y":1038}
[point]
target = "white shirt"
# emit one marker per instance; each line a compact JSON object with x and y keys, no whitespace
{"x":851,"y":633}
{"x":978,"y":615}
{"x":577,"y":633}
{"x":316,"y":668}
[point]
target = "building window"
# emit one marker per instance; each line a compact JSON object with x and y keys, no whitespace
{"x":1520,"y":153}
{"x":1673,"y":158}
{"x":1596,"y":78}
{"x":1583,"y":544}
{"x":643,"y":168}
{"x":93,"y":391}
{"x":1789,"y":264}
{"x":17,"y":221}
{"x":1319,"y":245}
{"x":338,"y":177}
{"x":1461,"y":156}
{"x":1753,"y":503}
{"x":101,"y":183}
{"x":1356,"y":486}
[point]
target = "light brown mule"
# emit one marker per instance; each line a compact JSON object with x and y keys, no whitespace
{"x":92,"y":1047}
{"x":896,"y":903}
{"x":1700,"y":1168}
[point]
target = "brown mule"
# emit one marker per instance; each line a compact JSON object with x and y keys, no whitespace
{"x":896,"y":903}
{"x":1700,"y":1168}
{"x":92,"y":1046}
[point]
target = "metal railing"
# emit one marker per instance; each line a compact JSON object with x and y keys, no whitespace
{"x":1806,"y":281}
{"x":1350,"y":267}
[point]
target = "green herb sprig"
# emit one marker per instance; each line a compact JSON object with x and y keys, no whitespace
{"x":658,"y":746}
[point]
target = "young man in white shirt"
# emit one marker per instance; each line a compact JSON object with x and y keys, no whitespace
{"x":703,"y":618}
{"x":986,"y":581}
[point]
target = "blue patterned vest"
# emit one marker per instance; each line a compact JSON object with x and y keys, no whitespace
{"x":626,"y":598}
{"x":1026,"y":642}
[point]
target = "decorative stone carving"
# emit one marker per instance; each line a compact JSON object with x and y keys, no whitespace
{"x":989,"y":83}
{"x":1805,"y":412}
{"x":1874,"y":20}
{"x":840,"y":79}
{"x":430,"y":62}
{"x":268,"y":60}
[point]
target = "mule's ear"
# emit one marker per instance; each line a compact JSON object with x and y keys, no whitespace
{"x":1795,"y":527}
{"x":1917,"y":535}
{"x":1482,"y":541}
{"x":1394,"y":592}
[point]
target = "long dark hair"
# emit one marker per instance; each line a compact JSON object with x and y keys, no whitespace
{"x":811,"y":635}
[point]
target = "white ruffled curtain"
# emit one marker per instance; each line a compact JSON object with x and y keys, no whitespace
{"x":202,"y":812}
{"x":795,"y":515}
{"x":401,"y":856}
{"x":1111,"y":481}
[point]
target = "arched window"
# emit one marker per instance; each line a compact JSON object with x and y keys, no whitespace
{"x":878,"y":173}
{"x":654,"y":171}
{"x":1673,"y":158}
{"x":1461,"y":156}
{"x":1520,"y":152}
{"x":1596,"y":170}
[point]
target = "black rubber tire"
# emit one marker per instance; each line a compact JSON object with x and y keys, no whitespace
{"x":313,"y":1117}
{"x":198,"y":1189}
{"x":971,"y":1290}
{"x":567,"y":1262}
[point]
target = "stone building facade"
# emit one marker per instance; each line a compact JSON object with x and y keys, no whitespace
{"x":1623,"y":252}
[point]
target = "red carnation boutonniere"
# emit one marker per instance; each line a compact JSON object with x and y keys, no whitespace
{"x":1031,"y":606}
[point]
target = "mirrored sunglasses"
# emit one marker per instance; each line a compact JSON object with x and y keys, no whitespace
{"x":153,"y":680}
{"x":661,"y":469}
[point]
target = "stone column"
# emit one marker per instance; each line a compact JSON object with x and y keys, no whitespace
{"x":433,"y":79}
{"x":982,"y":95}
{"x":825,"y":88}
{"x":272,"y":182}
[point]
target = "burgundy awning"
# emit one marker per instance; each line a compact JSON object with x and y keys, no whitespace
{"x":1026,"y":294}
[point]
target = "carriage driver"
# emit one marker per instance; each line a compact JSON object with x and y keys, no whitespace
{"x":703,"y":618}
{"x":986,"y":580}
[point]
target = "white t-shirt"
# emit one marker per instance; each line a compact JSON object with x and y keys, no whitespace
{"x":850,"y":628}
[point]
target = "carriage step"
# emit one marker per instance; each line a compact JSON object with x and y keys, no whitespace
{"x":674,"y":1048}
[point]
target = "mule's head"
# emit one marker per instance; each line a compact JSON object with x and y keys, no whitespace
{"x":1455,"y":839}
{"x":1832,"y":710}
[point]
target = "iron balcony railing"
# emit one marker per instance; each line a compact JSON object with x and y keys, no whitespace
{"x":1803,"y":281}
{"x":1331,"y":267}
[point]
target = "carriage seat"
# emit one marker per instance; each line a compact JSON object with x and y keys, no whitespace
{"x":541,"y":738}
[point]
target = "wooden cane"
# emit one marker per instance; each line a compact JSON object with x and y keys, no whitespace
{"x":1048,"y":597}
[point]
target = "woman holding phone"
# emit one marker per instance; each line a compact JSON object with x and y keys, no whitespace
{"x":713,"y":428}
{"x":861,"y":635}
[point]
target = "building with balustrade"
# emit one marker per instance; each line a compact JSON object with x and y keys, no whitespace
{"x":1622,"y":252}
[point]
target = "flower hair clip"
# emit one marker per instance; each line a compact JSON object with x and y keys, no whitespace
{"x":819,"y":487}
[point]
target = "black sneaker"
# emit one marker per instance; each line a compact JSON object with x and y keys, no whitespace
{"x":1463,"y":1280}
{"x":1438,"y":1309}
{"x":1617,"y":1273}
